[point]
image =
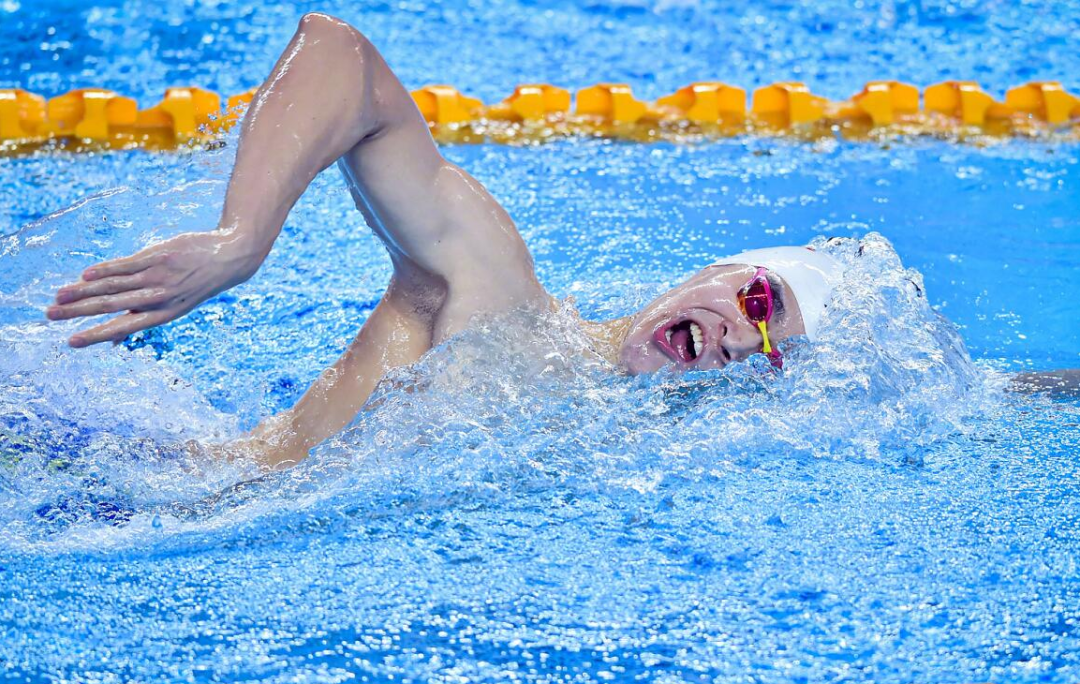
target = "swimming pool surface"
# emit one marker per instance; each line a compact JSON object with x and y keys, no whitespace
{"x":512,"y":510}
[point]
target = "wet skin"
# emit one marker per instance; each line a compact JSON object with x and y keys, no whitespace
{"x":705,"y":307}
{"x":332,"y":99}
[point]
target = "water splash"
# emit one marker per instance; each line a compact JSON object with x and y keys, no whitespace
{"x":514,"y":402}
{"x":881,"y":510}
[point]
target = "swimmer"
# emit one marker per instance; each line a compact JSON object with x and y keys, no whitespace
{"x":455,"y":251}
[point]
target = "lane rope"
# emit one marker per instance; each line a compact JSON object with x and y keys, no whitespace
{"x":95,"y":119}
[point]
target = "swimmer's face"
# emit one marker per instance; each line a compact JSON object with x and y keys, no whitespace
{"x":699,"y":324}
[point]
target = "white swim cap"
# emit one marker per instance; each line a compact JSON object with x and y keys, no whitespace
{"x":810,"y":275}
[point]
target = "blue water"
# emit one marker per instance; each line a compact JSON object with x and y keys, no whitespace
{"x":485,"y":48}
{"x":883,"y":512}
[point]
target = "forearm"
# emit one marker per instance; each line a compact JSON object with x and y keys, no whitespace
{"x":397,"y":333}
{"x":312,"y":109}
{"x":331,"y":96}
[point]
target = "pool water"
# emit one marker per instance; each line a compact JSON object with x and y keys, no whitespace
{"x":512,"y":510}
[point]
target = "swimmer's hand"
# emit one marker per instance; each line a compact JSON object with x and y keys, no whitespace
{"x":156,"y":285}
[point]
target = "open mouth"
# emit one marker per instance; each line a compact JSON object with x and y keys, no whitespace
{"x":683,"y":341}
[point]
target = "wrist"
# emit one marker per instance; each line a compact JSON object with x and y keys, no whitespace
{"x":244,"y":249}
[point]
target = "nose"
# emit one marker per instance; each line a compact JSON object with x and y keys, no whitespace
{"x":739,"y":342}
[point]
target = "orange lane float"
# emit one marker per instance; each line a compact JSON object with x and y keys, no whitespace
{"x":90,"y":119}
{"x":786,"y":104}
{"x":880,"y":103}
{"x":963,"y":100}
{"x":183,"y":111}
{"x":610,"y":103}
{"x":89,"y":113}
{"x":707,"y":102}
{"x":532,"y":102}
{"x":22,"y":115}
{"x":443,"y":104}
{"x":1044,"y":100}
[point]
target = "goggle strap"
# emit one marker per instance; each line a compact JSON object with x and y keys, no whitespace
{"x":766,"y":347}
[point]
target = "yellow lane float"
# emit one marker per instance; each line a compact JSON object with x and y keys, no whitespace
{"x":90,"y":119}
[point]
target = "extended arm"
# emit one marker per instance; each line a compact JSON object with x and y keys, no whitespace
{"x":454,"y":249}
{"x":330,"y":97}
{"x":302,"y":119}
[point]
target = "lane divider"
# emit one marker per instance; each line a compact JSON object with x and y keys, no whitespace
{"x":90,"y":119}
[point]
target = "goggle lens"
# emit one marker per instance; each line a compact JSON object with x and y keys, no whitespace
{"x":756,"y":300}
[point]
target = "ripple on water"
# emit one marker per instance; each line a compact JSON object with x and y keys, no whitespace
{"x":511,"y":508}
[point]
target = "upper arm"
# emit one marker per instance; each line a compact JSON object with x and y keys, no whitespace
{"x":429,"y":211}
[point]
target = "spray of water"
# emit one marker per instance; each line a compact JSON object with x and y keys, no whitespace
{"x":515,"y":403}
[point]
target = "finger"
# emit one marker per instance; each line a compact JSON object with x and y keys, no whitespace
{"x":95,"y":306}
{"x":95,"y":288}
{"x":118,"y":267}
{"x":118,"y":328}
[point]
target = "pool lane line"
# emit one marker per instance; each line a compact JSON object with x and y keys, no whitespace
{"x":96,"y":119}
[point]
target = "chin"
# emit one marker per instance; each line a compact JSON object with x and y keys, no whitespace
{"x":639,"y":359}
{"x":638,"y":354}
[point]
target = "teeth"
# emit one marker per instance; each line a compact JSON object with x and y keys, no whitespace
{"x":669,"y":336}
{"x":695,"y":332}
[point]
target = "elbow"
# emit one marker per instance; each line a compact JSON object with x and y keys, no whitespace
{"x":336,"y":42}
{"x":320,"y":22}
{"x":323,"y":27}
